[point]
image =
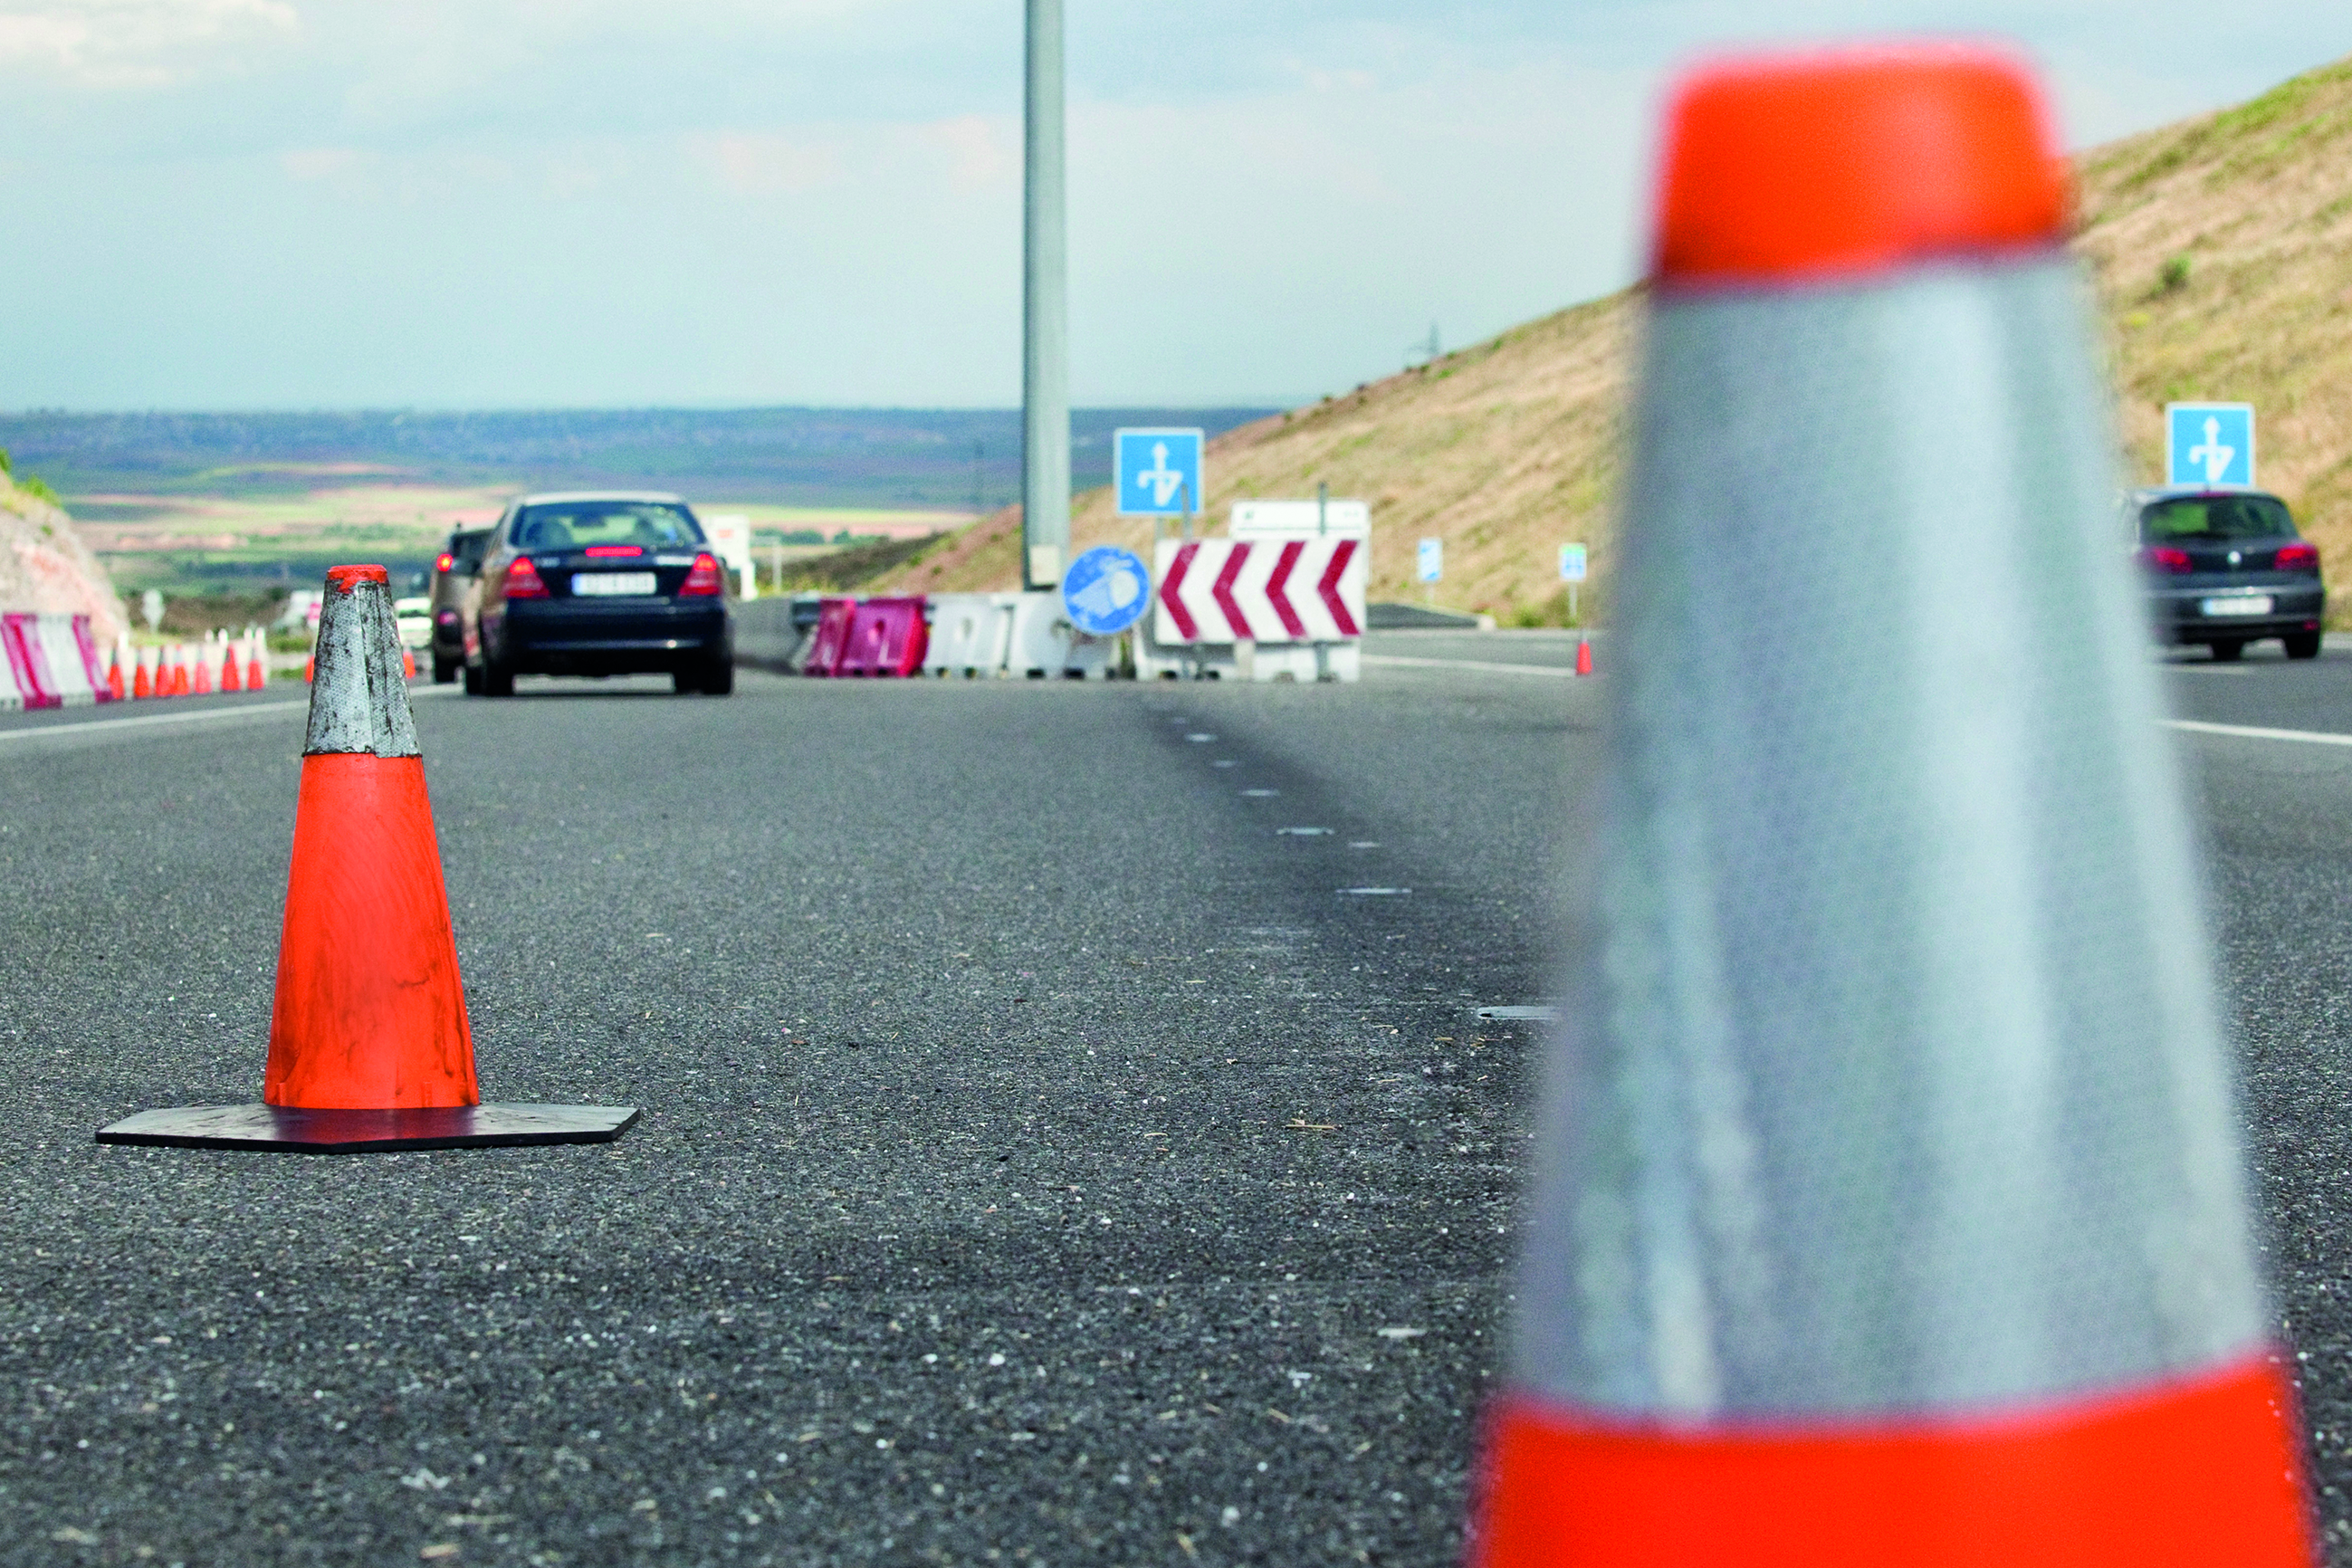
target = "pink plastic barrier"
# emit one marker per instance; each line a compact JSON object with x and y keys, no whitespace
{"x":887,"y":637}
{"x":831,"y":637}
{"x":53,"y":660}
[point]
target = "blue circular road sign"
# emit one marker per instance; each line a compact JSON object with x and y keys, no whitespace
{"x":1107,"y":590}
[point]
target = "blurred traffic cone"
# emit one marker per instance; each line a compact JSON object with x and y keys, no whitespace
{"x":200,"y":673}
{"x":142,"y":678}
{"x":408,"y":663}
{"x":231,"y":679}
{"x":256,"y":670}
{"x":118,"y":685}
{"x":369,"y":1043}
{"x":311,"y":668}
{"x":1891,"y":1209}
{"x":1583,"y":657}
{"x":178,"y":669}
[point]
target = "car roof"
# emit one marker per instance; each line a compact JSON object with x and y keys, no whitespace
{"x":549,"y":498}
{"x":2147,"y":493}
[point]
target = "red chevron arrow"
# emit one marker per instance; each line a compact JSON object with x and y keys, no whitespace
{"x":1187,"y":628}
{"x":1224,"y":592}
{"x":1328,"y":590}
{"x":1274,"y":589}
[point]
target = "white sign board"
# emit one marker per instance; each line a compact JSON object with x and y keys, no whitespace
{"x":730,"y":535}
{"x":1571,"y":563}
{"x":1432,"y":560}
{"x":1299,"y":519}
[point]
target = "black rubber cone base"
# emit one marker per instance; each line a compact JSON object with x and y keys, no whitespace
{"x":289,"y":1130}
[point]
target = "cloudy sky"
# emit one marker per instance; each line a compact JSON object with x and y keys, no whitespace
{"x":243,"y":203}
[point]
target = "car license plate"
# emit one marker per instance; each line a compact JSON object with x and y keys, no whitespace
{"x":612,"y":583}
{"x":2239,"y":605}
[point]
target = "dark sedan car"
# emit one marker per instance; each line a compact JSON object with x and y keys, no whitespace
{"x":605,"y":584}
{"x":2227,"y":568}
{"x":453,"y":575}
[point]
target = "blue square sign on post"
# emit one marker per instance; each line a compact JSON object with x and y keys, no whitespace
{"x":1430,"y":559}
{"x":2209,"y":443}
{"x":1158,"y":472}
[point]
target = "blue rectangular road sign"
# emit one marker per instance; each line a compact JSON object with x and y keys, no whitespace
{"x":1430,"y":559}
{"x":1159,"y":471}
{"x":2209,"y":443}
{"x":1571,"y":563}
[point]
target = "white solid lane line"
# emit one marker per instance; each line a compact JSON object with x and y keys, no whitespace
{"x":84,"y":726}
{"x":1402,"y":661}
{"x":2252,"y":733}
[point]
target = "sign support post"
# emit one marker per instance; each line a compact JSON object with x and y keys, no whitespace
{"x":1045,"y":317}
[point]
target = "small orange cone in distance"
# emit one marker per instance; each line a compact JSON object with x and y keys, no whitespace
{"x":256,"y":673}
{"x":311,"y":668}
{"x":1583,"y":657}
{"x":368,"y":1010}
{"x":1891,"y":1210}
{"x":143,"y":683}
{"x":408,"y":663}
{"x":114,"y":682}
{"x":230,"y":681}
{"x":200,"y":679}
{"x":370,"y":1048}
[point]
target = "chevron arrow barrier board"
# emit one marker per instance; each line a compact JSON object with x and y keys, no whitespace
{"x":1262,"y":590}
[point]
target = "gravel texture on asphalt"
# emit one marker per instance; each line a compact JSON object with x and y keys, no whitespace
{"x":1047,"y":1157}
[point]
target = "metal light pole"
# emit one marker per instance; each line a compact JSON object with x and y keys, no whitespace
{"x":1046,"y":321}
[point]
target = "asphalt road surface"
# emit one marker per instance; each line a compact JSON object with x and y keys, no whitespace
{"x":1051,"y":1155}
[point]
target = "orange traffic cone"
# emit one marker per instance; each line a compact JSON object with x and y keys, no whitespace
{"x":178,"y":669}
{"x":369,"y":1043}
{"x":311,"y":668}
{"x":142,"y":678}
{"x":1583,"y":657}
{"x":117,"y":685}
{"x":408,"y":664}
{"x":256,"y":672}
{"x":200,"y":676}
{"x":1892,"y":1209}
{"x":230,"y":681}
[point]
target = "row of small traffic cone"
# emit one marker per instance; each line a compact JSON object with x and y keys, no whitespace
{"x":188,"y":669}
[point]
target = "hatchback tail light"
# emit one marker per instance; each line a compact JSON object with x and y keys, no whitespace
{"x":2167,"y":558}
{"x":705,"y":580}
{"x":521,"y":580}
{"x":443,"y":562}
{"x":2297,"y":558}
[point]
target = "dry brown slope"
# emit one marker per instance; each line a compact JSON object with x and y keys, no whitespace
{"x":1505,"y":449}
{"x":2256,"y":202}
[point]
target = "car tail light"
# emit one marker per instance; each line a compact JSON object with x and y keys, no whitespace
{"x":521,"y":580}
{"x":2297,"y":558}
{"x":606,"y":551}
{"x":2167,"y":558}
{"x":446,"y":618}
{"x":444,"y":562}
{"x":705,"y":580}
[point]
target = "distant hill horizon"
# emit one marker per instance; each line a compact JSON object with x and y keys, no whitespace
{"x":946,"y":460}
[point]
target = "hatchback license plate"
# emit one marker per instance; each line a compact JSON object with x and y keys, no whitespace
{"x":2241,"y":604}
{"x":613,"y":583}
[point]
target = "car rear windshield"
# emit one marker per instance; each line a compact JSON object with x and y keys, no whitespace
{"x":466,"y":547}
{"x":2215,"y":517}
{"x":572,"y":525}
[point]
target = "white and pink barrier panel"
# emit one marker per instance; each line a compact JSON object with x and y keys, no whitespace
{"x":51,"y":661}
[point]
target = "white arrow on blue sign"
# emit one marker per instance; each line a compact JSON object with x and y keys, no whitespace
{"x":1430,"y":559}
{"x":1159,"y":471}
{"x":2209,"y":443}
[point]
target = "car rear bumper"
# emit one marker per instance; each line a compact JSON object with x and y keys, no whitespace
{"x":571,"y":637}
{"x":2182,"y":618}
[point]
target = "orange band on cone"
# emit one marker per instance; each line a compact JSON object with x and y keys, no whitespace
{"x":2197,"y":1473}
{"x":369,"y":1014}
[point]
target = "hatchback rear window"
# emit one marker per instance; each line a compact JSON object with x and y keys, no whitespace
{"x":2215,"y":517}
{"x":570,"y":525}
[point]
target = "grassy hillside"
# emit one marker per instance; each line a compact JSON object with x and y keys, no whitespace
{"x":2222,"y":251}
